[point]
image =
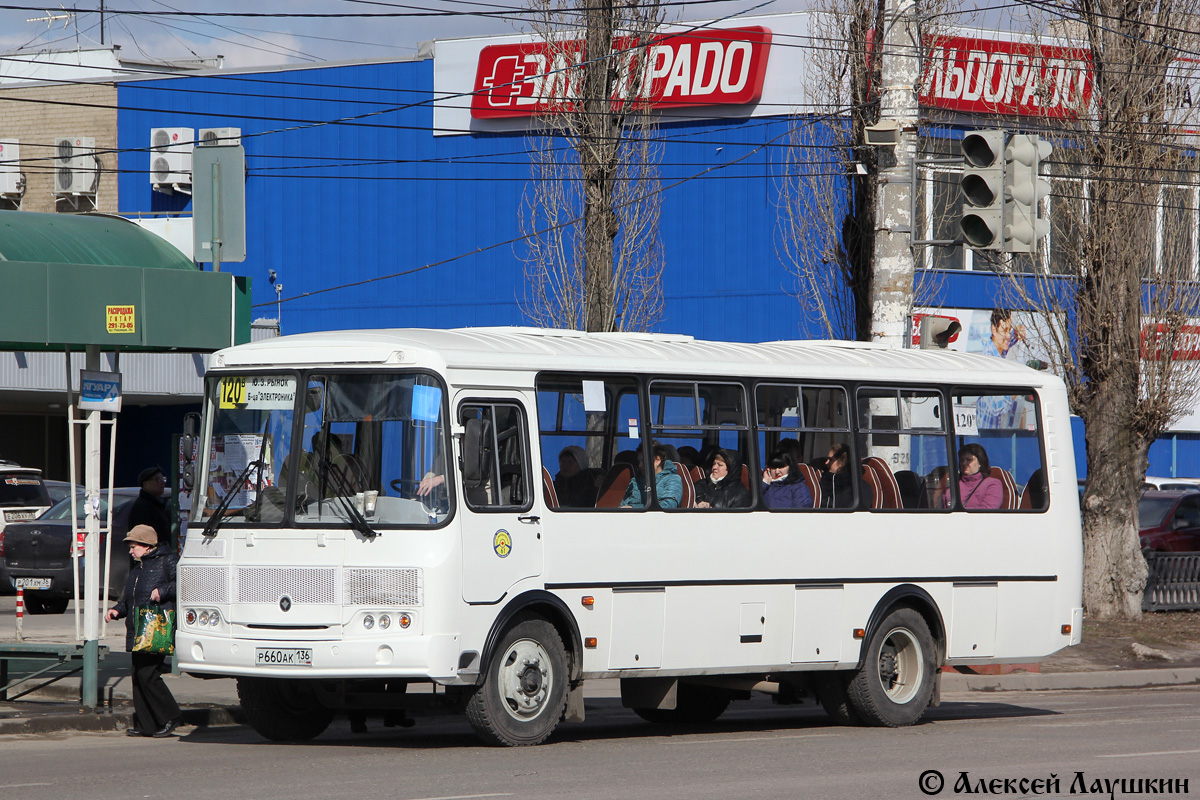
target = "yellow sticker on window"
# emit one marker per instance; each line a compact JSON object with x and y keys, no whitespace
{"x":233,"y":392}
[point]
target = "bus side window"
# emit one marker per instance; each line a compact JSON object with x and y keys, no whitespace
{"x":903,"y":449}
{"x":589,"y":435}
{"x":1002,"y":432}
{"x":801,"y":433}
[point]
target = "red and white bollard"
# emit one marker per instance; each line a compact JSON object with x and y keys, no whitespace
{"x":20,"y":611}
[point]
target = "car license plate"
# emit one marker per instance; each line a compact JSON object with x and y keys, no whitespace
{"x":283,"y":656}
{"x":19,"y":516}
{"x":31,"y":583}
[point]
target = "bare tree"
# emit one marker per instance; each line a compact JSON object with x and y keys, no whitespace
{"x":594,"y":260}
{"x":1121,"y":294}
{"x":829,"y":191}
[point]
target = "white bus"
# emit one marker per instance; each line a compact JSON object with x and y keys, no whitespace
{"x":495,"y":516}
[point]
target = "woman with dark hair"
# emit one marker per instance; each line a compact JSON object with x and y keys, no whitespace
{"x":668,"y":486}
{"x":837,"y":481}
{"x":976,"y":487}
{"x":723,"y":488}
{"x":783,"y":485}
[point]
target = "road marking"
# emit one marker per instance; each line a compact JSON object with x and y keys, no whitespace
{"x":754,"y":739}
{"x":22,"y":785}
{"x":1157,"y":753}
{"x":458,"y":796}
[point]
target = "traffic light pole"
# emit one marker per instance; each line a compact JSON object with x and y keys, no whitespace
{"x":894,"y":262}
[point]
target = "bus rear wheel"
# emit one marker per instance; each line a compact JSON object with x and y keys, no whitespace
{"x":524,"y":692}
{"x":694,"y":705}
{"x":283,"y":710}
{"x":896,"y":681}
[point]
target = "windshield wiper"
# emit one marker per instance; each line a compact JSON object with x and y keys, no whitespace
{"x":214,"y":522}
{"x":343,"y":487}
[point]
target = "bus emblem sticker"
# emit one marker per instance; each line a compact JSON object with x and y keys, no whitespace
{"x":502,"y":543}
{"x":285,"y":603}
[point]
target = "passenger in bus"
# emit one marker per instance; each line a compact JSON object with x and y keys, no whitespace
{"x":689,"y":457}
{"x":783,"y":485}
{"x":837,"y":480}
{"x":723,"y":488}
{"x":977,"y":489}
{"x":668,"y":486}
{"x":575,"y":484}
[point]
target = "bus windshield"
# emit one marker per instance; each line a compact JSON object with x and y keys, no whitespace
{"x":371,"y":447}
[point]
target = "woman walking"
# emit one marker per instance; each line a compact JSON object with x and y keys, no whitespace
{"x":151,"y":580}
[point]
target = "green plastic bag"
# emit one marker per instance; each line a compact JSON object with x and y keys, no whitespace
{"x":154,"y":630}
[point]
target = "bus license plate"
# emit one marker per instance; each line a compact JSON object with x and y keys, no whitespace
{"x":283,"y":656}
{"x":31,"y":583}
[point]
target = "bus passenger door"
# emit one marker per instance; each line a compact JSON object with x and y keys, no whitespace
{"x":501,"y":533}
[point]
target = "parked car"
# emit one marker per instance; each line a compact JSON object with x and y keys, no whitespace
{"x":1172,"y":484}
{"x":1169,"y":520}
{"x":59,"y":490}
{"x":23,"y":497}
{"x":37,"y":554}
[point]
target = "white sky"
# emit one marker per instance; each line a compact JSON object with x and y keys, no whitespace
{"x":247,"y":42}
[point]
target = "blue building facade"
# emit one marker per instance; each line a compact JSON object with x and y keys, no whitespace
{"x":368,"y":219}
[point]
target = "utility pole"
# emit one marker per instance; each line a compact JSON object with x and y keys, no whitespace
{"x":892,"y":283}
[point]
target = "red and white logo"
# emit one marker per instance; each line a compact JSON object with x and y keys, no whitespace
{"x":682,"y":70}
{"x":987,"y":76}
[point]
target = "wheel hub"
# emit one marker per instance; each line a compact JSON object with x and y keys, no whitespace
{"x":525,"y":679}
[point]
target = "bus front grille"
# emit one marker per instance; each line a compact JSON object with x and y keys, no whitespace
{"x":316,"y":585}
{"x":204,"y":585}
{"x":368,"y":586}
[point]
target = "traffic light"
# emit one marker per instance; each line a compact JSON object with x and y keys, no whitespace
{"x":1023,"y":191}
{"x":982,"y":186}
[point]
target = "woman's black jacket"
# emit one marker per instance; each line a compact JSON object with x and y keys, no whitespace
{"x":156,"y":570}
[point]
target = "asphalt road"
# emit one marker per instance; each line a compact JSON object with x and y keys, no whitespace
{"x":756,"y":750}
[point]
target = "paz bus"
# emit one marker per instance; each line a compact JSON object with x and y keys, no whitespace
{"x":392,"y":520}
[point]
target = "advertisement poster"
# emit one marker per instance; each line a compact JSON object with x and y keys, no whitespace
{"x":999,"y":333}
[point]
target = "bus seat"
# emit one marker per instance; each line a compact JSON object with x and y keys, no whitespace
{"x":910,"y":486}
{"x":746,"y":477}
{"x":1034,"y":496}
{"x":688,"y":498}
{"x":1009,"y":500}
{"x":813,"y":480}
{"x":612,"y":488}
{"x":871,"y":485}
{"x":888,"y":492}
{"x":548,"y":489}
{"x":697,"y":475}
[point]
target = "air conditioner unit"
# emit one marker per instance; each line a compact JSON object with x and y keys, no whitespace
{"x":221,"y":136}
{"x":76,"y":169}
{"x":171,"y":155}
{"x":10,"y":167}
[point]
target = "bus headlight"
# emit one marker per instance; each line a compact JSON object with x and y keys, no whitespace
{"x":404,"y":620}
{"x":385,"y":622}
{"x":368,"y":622}
{"x":189,"y":616}
{"x":204,"y":617}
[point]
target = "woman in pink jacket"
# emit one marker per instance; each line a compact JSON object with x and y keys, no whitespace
{"x":976,"y":487}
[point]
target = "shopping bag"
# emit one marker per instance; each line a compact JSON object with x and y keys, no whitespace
{"x":154,"y":629}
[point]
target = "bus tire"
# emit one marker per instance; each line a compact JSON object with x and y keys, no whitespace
{"x":694,"y":705}
{"x":283,"y":710}
{"x":524,"y":692}
{"x":835,"y":699}
{"x":896,"y":681}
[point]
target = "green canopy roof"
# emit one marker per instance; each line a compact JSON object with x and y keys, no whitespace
{"x":80,"y":279}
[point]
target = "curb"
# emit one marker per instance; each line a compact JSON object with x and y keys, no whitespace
{"x":57,"y":720}
{"x":1058,"y":681}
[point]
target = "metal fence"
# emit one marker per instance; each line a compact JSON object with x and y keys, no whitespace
{"x":1173,"y":583}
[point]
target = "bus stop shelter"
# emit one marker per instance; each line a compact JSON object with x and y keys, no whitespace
{"x":101,"y":283}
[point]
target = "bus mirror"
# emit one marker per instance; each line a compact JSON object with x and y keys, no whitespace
{"x":476,"y":452}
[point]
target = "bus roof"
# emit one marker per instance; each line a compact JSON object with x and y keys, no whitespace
{"x":566,"y":350}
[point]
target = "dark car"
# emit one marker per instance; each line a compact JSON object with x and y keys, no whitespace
{"x":1169,"y":520}
{"x":37,"y":554}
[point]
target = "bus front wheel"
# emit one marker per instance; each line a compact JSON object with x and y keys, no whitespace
{"x":896,"y":681}
{"x":524,"y":692}
{"x":283,"y":710}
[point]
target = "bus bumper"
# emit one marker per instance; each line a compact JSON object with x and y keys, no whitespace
{"x":433,"y":657}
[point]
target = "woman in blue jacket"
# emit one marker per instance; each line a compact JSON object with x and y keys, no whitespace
{"x":668,"y":486}
{"x":783,"y":485}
